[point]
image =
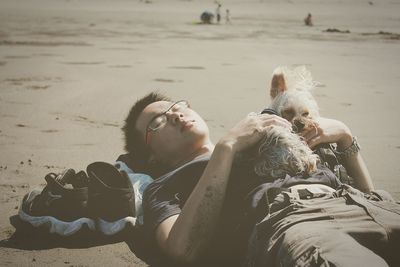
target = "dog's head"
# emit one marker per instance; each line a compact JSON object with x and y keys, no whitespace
{"x":291,"y":97}
{"x":282,"y":152}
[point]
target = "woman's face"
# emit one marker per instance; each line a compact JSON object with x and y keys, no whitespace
{"x":172,"y":132}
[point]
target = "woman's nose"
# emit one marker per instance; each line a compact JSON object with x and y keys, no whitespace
{"x":175,"y":117}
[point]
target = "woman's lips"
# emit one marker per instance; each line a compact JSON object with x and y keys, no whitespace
{"x":186,"y":125}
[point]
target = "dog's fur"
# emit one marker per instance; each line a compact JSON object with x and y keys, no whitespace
{"x":292,"y":99}
{"x":282,"y":152}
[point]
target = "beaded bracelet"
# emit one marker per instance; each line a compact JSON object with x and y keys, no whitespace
{"x":354,"y":148}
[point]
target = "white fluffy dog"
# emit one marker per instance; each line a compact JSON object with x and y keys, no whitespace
{"x":283,"y":152}
{"x":291,"y":97}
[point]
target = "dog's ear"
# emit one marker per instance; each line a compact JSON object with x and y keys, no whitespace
{"x":278,"y":84}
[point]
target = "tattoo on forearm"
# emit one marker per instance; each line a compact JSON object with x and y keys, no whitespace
{"x":209,"y":192}
{"x":204,"y":220}
{"x":200,"y":227}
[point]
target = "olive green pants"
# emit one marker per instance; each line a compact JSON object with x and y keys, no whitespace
{"x":344,"y":228}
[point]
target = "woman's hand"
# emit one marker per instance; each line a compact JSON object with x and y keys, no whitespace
{"x":251,"y":129}
{"x":328,"y":131}
{"x":333,"y":131}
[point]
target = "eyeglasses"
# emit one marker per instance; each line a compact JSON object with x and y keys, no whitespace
{"x":159,"y":121}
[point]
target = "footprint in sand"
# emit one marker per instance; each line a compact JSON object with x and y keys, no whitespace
{"x":92,"y":122}
{"x":54,"y":167}
{"x":45,"y":55}
{"x":334,"y":30}
{"x":251,"y":89}
{"x":17,"y":103}
{"x":110,"y":124}
{"x":38,"y":87}
{"x":119,"y":48}
{"x":164,"y":80}
{"x":188,"y":67}
{"x":49,"y":131}
{"x":88,"y":144}
{"x":120,"y":66}
{"x":302,"y":64}
{"x":39,"y":43}
{"x":321,"y":95}
{"x":346,"y":104}
{"x":17,"y":57}
{"x":32,"y":82}
{"x":84,"y":119}
{"x":82,"y":63}
{"x":384,"y":35}
{"x":32,"y":79}
{"x":2,"y":63}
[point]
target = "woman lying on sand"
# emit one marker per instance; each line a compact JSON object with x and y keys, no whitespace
{"x":207,"y":210}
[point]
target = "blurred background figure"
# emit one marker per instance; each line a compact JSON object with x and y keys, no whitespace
{"x":308,"y":20}
{"x":218,"y":12}
{"x":227,"y":17}
{"x":207,"y":17}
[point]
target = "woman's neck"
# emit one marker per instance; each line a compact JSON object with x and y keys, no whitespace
{"x":208,"y":148}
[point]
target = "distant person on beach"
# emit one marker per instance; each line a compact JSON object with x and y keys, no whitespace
{"x":218,"y":13}
{"x":308,"y":20}
{"x":207,"y":17}
{"x":227,"y":17}
{"x":206,"y":210}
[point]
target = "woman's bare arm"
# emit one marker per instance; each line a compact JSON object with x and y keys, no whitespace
{"x":334,"y":131}
{"x":185,"y":236}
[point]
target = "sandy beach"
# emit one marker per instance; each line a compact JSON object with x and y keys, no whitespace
{"x":71,"y":69}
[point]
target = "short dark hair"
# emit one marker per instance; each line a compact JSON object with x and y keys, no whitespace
{"x":134,"y":140}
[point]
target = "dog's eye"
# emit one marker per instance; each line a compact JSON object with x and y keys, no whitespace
{"x":288,"y":114}
{"x":305,"y":114}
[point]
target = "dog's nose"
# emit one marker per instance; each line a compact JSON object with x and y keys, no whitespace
{"x":298,"y":126}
